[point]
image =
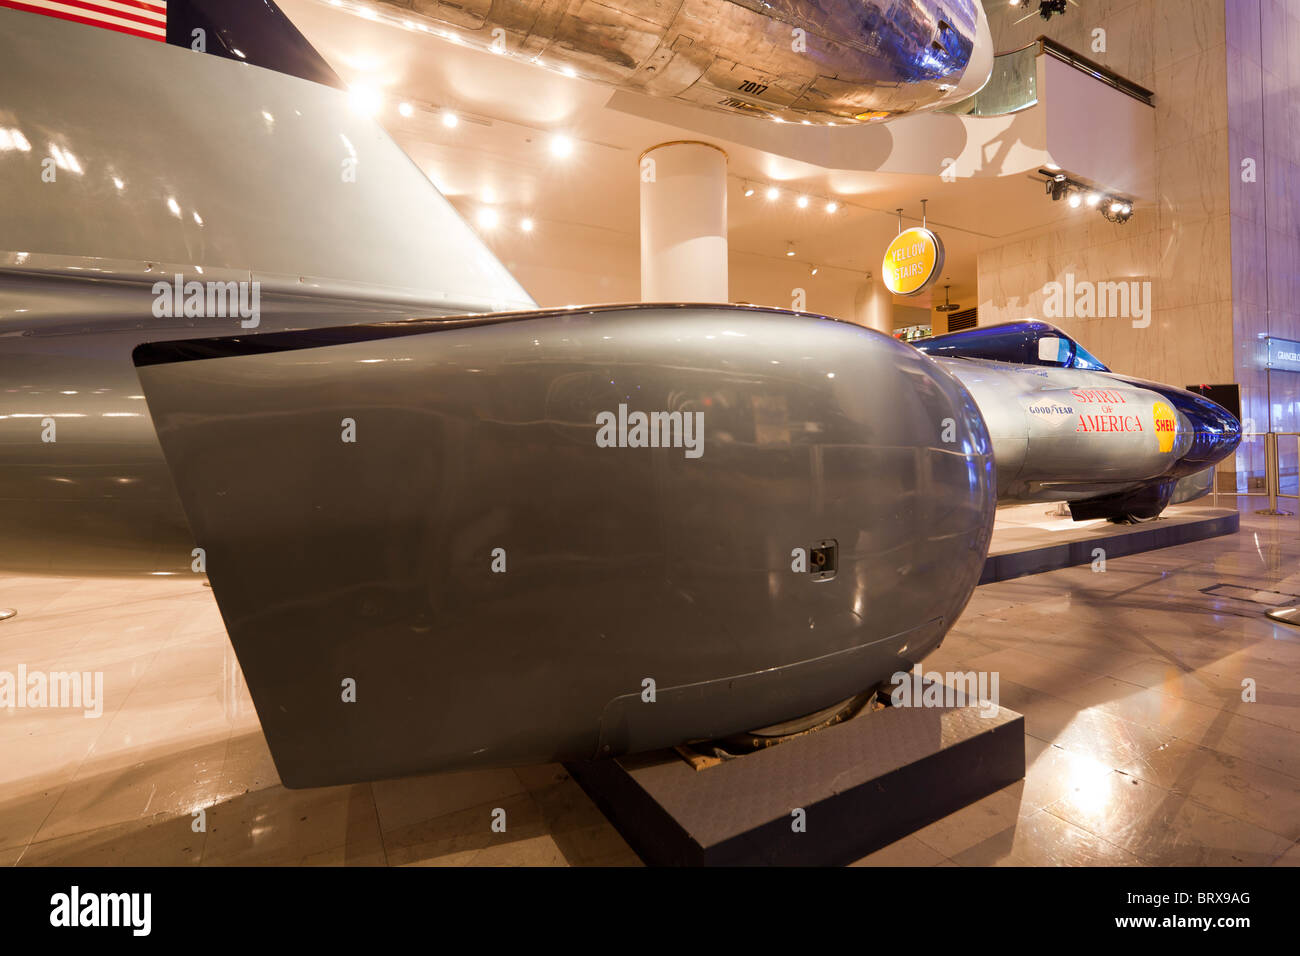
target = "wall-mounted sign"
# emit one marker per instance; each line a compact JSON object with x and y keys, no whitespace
{"x":1284,"y":354}
{"x":912,"y":261}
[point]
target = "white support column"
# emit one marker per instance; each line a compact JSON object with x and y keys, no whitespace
{"x":875,"y":306}
{"x":684,"y":223}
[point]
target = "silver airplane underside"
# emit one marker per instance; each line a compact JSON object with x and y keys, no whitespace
{"x":822,"y":61}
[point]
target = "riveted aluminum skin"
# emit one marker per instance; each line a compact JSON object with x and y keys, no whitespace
{"x":372,"y":560}
{"x":824,"y":61}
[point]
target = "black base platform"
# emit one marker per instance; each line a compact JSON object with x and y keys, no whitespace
{"x":861,"y":784}
{"x":1028,"y":556}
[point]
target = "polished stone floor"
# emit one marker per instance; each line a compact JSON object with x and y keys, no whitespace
{"x":1140,"y":749}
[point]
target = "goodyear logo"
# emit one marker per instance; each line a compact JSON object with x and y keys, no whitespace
{"x":1166,"y":425}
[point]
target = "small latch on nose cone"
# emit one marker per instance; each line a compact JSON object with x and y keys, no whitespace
{"x":823,"y":559}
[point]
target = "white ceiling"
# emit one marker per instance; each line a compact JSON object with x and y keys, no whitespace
{"x":510,"y":108}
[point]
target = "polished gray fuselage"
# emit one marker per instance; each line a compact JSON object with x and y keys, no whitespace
{"x":373,"y":559}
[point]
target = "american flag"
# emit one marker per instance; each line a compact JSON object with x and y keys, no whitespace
{"x":140,"y":18}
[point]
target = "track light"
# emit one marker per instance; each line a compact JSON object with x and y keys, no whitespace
{"x":1118,"y":211}
{"x":1060,"y":186}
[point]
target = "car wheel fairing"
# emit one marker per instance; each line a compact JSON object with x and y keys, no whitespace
{"x":372,"y":561}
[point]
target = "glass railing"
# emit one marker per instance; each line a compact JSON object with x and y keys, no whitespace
{"x":1013,"y":84}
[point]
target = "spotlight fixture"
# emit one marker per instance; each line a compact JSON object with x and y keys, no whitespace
{"x":802,"y":202}
{"x":832,"y":206}
{"x":1115,"y":209}
{"x":772,"y":192}
{"x":1046,"y":8}
{"x":1118,"y":211}
{"x":1049,"y":8}
{"x":789,"y":249}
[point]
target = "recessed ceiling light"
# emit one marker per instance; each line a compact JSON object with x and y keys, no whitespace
{"x":561,"y":146}
{"x":526,"y":225}
{"x":802,"y":202}
{"x":772,"y":192}
{"x":789,"y":248}
{"x":450,"y":119}
{"x":832,"y":206}
{"x":406,"y":109}
{"x":488,"y":218}
{"x":365,"y":100}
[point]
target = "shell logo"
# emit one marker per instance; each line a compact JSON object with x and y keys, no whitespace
{"x":1166,"y":425}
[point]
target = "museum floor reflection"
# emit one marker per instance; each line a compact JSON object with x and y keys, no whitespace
{"x":1140,"y":749}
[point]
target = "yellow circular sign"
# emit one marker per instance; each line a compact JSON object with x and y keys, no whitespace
{"x":912,"y":261}
{"x":1166,"y":424}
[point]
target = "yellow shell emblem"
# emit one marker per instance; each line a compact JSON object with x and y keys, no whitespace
{"x":1166,"y":425}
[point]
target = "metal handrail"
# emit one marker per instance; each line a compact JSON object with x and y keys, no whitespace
{"x":1011,"y":65}
{"x":1095,"y":69}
